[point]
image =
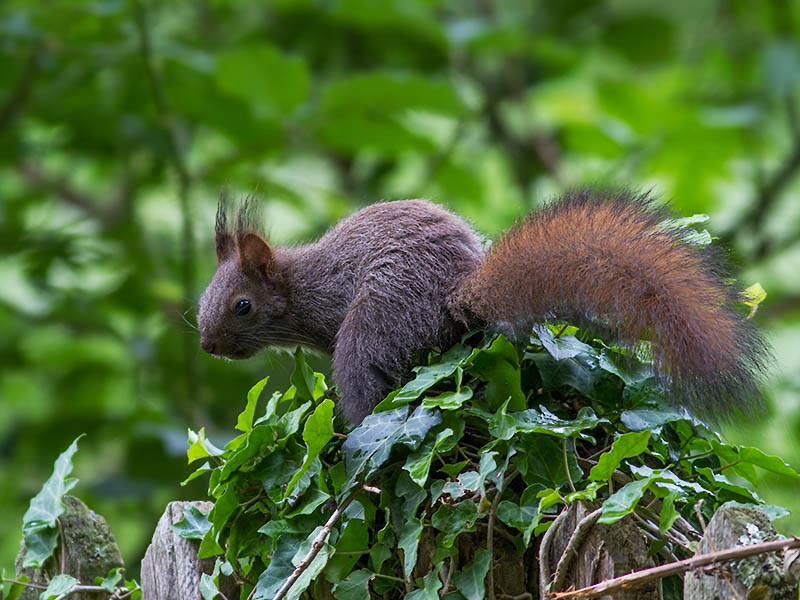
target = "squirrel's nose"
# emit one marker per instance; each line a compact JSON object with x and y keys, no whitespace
{"x":207,"y":345}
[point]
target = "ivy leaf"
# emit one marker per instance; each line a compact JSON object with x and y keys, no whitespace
{"x":39,"y":529}
{"x":623,"y":501}
{"x":501,"y":424}
{"x":354,"y":537}
{"x":309,"y":385}
{"x":279,"y":569}
{"x":766,"y":461}
{"x":524,"y":516}
{"x":565,"y":346}
{"x":543,"y":421}
{"x":454,"y":520}
{"x":469,"y":581}
{"x":418,"y":464}
{"x":448,"y":400}
{"x":109,"y":582}
{"x":355,"y":587}
{"x":408,"y":541}
{"x":669,"y":514}
{"x":194,"y":524}
{"x":200,"y":447}
{"x":60,"y":585}
{"x":625,"y":446}
{"x":245,"y":421}
{"x":317,"y":432}
{"x":498,"y":365}
{"x":314,"y":569}
{"x":426,"y":377}
{"x":368,"y":446}
{"x":430,"y":587}
{"x":208,"y":587}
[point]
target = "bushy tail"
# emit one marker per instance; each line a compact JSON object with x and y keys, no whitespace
{"x":607,"y":258}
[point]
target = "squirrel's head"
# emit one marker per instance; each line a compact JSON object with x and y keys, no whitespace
{"x":245,"y":300}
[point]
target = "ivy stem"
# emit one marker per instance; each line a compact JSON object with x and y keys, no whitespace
{"x":566,"y":466}
{"x":389,"y":577}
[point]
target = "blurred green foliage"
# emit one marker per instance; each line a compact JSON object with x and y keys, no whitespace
{"x":121,"y":119}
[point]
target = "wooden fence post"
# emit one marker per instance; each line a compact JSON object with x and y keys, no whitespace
{"x":170,"y":568}
{"x":766,"y":576}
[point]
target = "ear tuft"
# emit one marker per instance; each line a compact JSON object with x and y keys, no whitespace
{"x":223,"y":237}
{"x":255,"y":253}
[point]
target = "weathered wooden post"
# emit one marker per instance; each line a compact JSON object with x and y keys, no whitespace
{"x":170,"y":568}
{"x":770,"y":576}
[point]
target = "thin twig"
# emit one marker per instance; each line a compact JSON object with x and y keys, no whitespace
{"x":35,"y":586}
{"x":317,"y":544}
{"x":451,"y":567}
{"x":575,"y":540}
{"x":611,"y":586}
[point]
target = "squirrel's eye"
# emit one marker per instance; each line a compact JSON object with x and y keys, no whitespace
{"x":242,"y":307}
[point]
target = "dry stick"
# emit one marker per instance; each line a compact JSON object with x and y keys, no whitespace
{"x":317,"y":544}
{"x":575,"y":540}
{"x":638,"y":578}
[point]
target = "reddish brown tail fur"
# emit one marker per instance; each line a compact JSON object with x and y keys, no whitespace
{"x":606,"y":257}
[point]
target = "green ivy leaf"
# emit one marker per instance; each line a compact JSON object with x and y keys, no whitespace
{"x":200,"y":447}
{"x":448,"y":400}
{"x":426,"y":377}
{"x":194,"y":525}
{"x":317,"y":432}
{"x":669,"y":514}
{"x":60,"y":585}
{"x":431,"y":585}
{"x":39,"y":529}
{"x":469,"y":581}
{"x":355,"y":587}
{"x":543,"y":421}
{"x":368,"y":446}
{"x":625,"y":446}
{"x":418,"y":464}
{"x":279,"y":569}
{"x":245,"y":421}
{"x":524,"y":516}
{"x":766,"y":461}
{"x":110,"y":582}
{"x":623,"y":501}
{"x":498,"y":365}
{"x":408,"y":541}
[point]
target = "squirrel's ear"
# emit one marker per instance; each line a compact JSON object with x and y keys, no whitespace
{"x":255,"y":253}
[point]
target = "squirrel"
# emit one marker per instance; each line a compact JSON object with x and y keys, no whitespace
{"x":397,"y":277}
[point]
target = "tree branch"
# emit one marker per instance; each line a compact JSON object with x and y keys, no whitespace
{"x":610,"y":586}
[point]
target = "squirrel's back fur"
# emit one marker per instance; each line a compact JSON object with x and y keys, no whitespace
{"x":403,"y":276}
{"x":608,"y":258}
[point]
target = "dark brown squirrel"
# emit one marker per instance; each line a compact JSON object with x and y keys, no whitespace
{"x":397,"y":277}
